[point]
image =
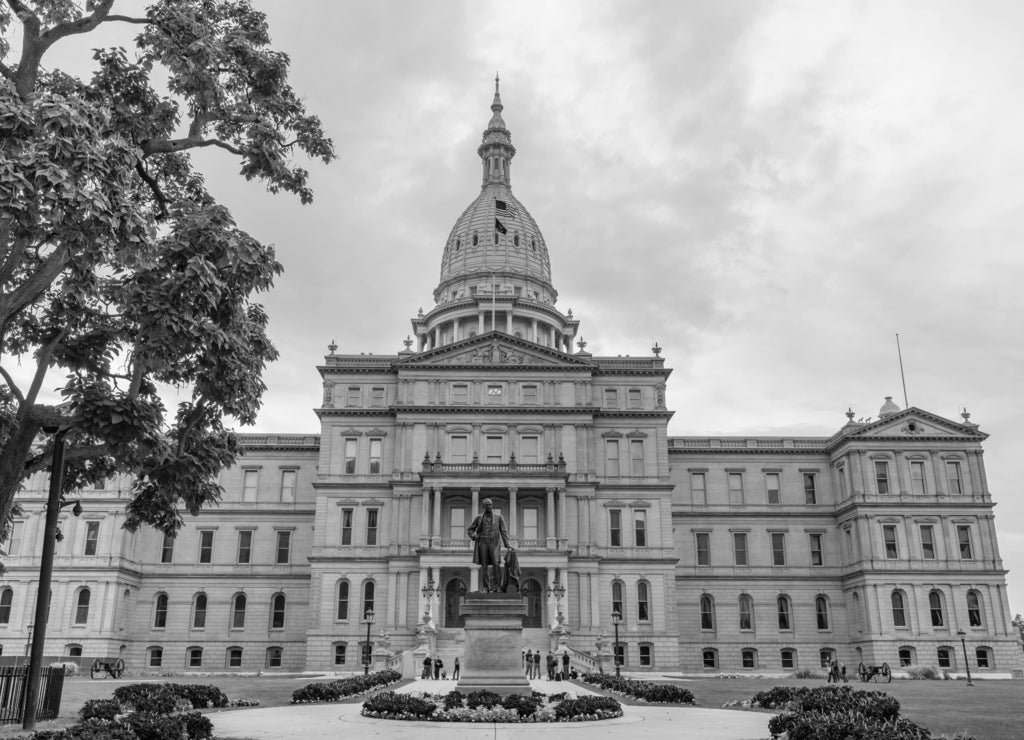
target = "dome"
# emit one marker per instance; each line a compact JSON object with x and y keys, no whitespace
{"x":496,"y":240}
{"x":888,"y":408}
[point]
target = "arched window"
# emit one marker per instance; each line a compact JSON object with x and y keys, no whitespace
{"x":160,"y":612}
{"x":935,"y":608}
{"x":785,"y":613}
{"x":618,"y":604}
{"x":199,"y":614}
{"x":277,"y":612}
{"x":746,"y":612}
{"x":821,"y":612}
{"x":458,"y":244}
{"x":238,"y":612}
{"x":788,"y":656}
{"x":707,"y":613}
{"x":6,"y":599}
{"x":945,"y":655}
{"x":748,"y":656}
{"x":274,"y":657}
{"x":515,"y":240}
{"x":476,"y":240}
{"x":368,"y":591}
{"x":234,"y":657}
{"x":195,"y":657}
{"x":983,"y":656}
{"x":643,"y":606}
{"x":899,"y":609}
{"x":342,"y":600}
{"x":82,"y":606}
{"x":906,"y":655}
{"x":974,"y":608}
{"x":73,"y":650}
{"x":156,"y":656}
{"x":709,"y":656}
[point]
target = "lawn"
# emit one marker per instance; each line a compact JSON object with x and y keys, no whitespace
{"x":989,"y":710}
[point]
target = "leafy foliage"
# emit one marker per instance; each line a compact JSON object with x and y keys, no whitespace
{"x":337,"y":690}
{"x":118,"y":269}
{"x":99,"y":709}
{"x":836,"y":713}
{"x":388,"y":702}
{"x":486,"y":706}
{"x":482,"y":698}
{"x":598,"y":706}
{"x":164,"y":698}
{"x":647,"y":691}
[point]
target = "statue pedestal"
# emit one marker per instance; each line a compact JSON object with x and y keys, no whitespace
{"x":494,"y":640}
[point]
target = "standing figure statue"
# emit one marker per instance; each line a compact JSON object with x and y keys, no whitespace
{"x":489,"y":533}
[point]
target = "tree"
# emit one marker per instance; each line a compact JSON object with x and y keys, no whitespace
{"x":118,"y":269}
{"x":1018,"y":622}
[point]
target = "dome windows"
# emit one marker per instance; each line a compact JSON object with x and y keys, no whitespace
{"x":495,"y":237}
{"x":476,"y":240}
{"x":515,"y":240}
{"x":533,"y":244}
{"x":458,"y":244}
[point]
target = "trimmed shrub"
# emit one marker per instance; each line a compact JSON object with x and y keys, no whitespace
{"x":390,"y":703}
{"x":336,"y":690}
{"x":164,"y":698}
{"x":98,"y":729}
{"x":525,"y":705}
{"x":454,"y":700}
{"x":482,"y":698}
{"x":923,"y":673}
{"x":827,"y":699}
{"x":152,"y":726}
{"x":198,"y":726}
{"x":106,"y":709}
{"x":844,"y":725}
{"x":201,"y":696}
{"x":655,"y":693}
{"x":599,"y":706}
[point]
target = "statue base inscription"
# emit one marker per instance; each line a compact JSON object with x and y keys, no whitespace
{"x":494,"y":644}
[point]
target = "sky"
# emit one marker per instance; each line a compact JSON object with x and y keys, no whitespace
{"x":770,"y":190}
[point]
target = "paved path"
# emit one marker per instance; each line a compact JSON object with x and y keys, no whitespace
{"x":331,"y":721}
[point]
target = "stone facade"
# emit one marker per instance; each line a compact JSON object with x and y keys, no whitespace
{"x":719,"y":554}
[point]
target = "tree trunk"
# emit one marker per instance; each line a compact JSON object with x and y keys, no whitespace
{"x":13,"y":454}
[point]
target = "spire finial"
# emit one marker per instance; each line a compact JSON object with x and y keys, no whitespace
{"x":496,"y":105}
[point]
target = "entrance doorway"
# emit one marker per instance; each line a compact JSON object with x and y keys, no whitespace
{"x":531,"y":591}
{"x":454,"y":597}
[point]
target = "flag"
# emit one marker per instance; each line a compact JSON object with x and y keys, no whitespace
{"x":503,"y":206}
{"x":500,"y":227}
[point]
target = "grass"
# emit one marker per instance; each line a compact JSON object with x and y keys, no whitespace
{"x":989,"y":710}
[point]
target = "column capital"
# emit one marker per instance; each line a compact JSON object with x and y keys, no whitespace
{"x":513,"y":490}
{"x":475,"y":489}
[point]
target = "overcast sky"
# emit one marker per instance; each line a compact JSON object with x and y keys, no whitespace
{"x":770,"y":190}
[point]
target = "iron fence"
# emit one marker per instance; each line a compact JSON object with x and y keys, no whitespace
{"x":13,"y":684}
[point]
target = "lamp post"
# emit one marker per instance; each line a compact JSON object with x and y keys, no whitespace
{"x":963,"y":644}
{"x":558,"y":591}
{"x":50,"y":536}
{"x":616,"y":618}
{"x":428,"y":592}
{"x":368,"y":618}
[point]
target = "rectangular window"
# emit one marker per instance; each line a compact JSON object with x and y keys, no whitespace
{"x":739,"y":548}
{"x":615,"y":527}
{"x":927,"y":542}
{"x":889,"y":537}
{"x":611,"y":398}
{"x":530,"y":395}
{"x":250,"y":482}
{"x":530,"y":523}
{"x":339,"y":653}
{"x":371,"y":526}
{"x":460,"y":393}
{"x":353,"y":396}
{"x":778,"y":548}
{"x":611,"y":452}
{"x":245,"y":547}
{"x":167,"y":549}
{"x":841,"y":472}
{"x":460,"y":449}
{"x":788,"y":659}
{"x":698,"y":484}
{"x":917,"y":484}
{"x":963,"y":536}
{"x":640,"y":528}
{"x":736,"y":489}
{"x":771,"y":483}
{"x":817,"y":556}
{"x":346,"y":526}
{"x":945,"y":658}
{"x":156,"y":657}
{"x":195,"y":657}
{"x":956,"y":484}
{"x":529,"y":450}
{"x":703,"y":548}
{"x":882,"y":476}
{"x":636,"y":457}
{"x":495,"y":393}
{"x":14,"y":542}
{"x":206,"y":546}
{"x":235,"y":658}
{"x":982,"y":656}
{"x":457,"y":523}
{"x":494,"y":449}
{"x":646,"y":655}
{"x":810,"y":489}
{"x":287,"y":486}
{"x":284,"y":548}
{"x":350,"y":456}
{"x":92,"y":536}
{"x":634,"y":398}
{"x":377,"y":396}
{"x":376,"y":447}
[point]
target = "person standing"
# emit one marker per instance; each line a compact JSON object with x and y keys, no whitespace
{"x":536,"y":664}
{"x":565,"y":665}
{"x":438,"y":665}
{"x":551,"y":667}
{"x":427,"y":667}
{"x":528,"y":662}
{"x":455,"y":669}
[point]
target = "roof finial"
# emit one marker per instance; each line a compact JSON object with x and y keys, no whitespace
{"x":496,"y":105}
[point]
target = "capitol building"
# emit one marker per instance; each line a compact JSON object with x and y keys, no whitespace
{"x":718,"y":554}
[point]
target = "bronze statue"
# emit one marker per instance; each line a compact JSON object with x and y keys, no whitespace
{"x":489,"y":533}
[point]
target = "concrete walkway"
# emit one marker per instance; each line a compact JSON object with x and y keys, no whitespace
{"x":330,"y":721}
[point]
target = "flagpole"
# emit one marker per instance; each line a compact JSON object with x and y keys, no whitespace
{"x":906,"y":403}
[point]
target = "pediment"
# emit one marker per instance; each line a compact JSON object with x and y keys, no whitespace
{"x":493,"y":349}
{"x":914,"y":422}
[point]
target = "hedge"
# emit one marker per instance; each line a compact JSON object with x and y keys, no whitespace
{"x":342,"y":688}
{"x":654,"y":693}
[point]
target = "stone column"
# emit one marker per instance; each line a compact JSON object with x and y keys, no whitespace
{"x":533,"y":329}
{"x":552,"y":610}
{"x":901,"y":481}
{"x":425,"y":517}
{"x":455,"y":328}
{"x":508,"y":321}
{"x":561,"y":514}
{"x":549,"y":518}
{"x":972,"y":475}
{"x":941,"y":484}
{"x":480,"y":322}
{"x":392,"y":612}
{"x":435,"y":599}
{"x":475,"y":503}
{"x":437,"y":514}
{"x":513,"y":531}
{"x":595,"y":601}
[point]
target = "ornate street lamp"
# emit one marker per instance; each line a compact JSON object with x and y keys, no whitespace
{"x":963,"y":644}
{"x":368,"y":618}
{"x":558,"y":591}
{"x":428,"y":592}
{"x":616,"y":618}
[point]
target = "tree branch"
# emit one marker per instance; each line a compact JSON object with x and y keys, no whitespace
{"x":82,"y":25}
{"x":155,"y":187}
{"x":125,"y":19}
{"x":194,"y":418}
{"x":43,"y":364}
{"x":34,"y":286}
{"x":167,"y":146}
{"x":12,"y":385}
{"x":6,"y":71}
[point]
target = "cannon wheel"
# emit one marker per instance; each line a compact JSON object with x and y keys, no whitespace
{"x":96,"y":668}
{"x":862,"y":671}
{"x":886,"y":673}
{"x":118,"y":668}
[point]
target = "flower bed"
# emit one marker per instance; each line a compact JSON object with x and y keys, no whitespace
{"x":486,"y":706}
{"x":652,"y":693}
{"x":316,"y":693}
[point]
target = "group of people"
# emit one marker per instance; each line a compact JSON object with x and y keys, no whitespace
{"x":531,"y":661}
{"x":837,"y":672}
{"x":434,"y":668}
